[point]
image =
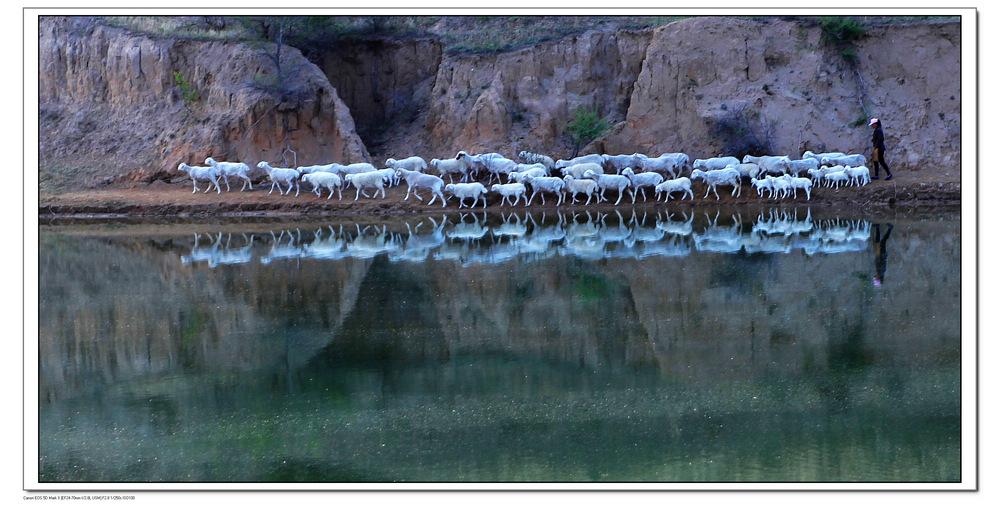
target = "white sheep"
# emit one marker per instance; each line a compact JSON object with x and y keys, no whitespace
{"x":641,"y":180}
{"x":747,"y":170}
{"x":852,"y":160}
{"x":797,"y":167}
{"x":328,"y":180}
{"x":606,"y":182}
{"x":713,"y":178}
{"x":681,"y":184}
{"x":543,"y":184}
{"x":799,"y":183}
{"x":763,"y":184}
{"x":770,"y":164}
{"x":410,"y":163}
{"x":667,"y":163}
{"x":353,"y":168}
{"x":835,"y":179}
{"x":529,"y":157}
{"x":462,"y":191}
{"x":235,"y":169}
{"x":719,"y":162}
{"x":282,"y":175}
{"x":859,"y":176}
{"x":508,"y":190}
{"x":310,"y":169}
{"x":819,"y":156}
{"x":620,"y":162}
{"x":461,"y":165}
{"x":536,"y":171}
{"x":501,"y":166}
{"x":575,"y":187}
{"x":819,"y":175}
{"x":598,"y":159}
{"x":374,"y":180}
{"x":210,"y":174}
{"x":415,"y":180}
{"x":578,"y":170}
{"x":781,"y":186}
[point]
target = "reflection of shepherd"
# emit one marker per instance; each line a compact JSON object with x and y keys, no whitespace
{"x":881,"y":253}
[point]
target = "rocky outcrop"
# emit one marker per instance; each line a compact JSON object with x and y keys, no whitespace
{"x":112,"y":107}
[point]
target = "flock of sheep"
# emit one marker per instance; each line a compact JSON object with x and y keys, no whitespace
{"x":589,"y":176}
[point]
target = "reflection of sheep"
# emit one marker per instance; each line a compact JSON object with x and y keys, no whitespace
{"x":282,"y":175}
{"x":236,"y":169}
{"x":516,"y":190}
{"x":210,"y":174}
{"x":327,"y":180}
{"x":462,"y":191}
{"x":415,"y":180}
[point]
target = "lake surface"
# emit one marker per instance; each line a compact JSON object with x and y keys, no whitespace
{"x":754,"y":346}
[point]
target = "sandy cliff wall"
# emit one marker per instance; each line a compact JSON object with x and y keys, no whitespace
{"x":110,"y":106}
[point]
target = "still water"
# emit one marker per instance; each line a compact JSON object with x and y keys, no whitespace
{"x":771,"y":345}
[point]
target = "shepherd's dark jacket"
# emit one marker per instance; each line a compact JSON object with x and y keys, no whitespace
{"x":878,"y":139}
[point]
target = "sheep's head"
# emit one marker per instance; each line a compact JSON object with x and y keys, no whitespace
{"x":210,"y":161}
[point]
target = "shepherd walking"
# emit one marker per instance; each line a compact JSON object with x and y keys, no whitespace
{"x":878,"y":149}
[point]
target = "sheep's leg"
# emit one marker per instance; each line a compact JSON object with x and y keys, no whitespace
{"x":195,"y":186}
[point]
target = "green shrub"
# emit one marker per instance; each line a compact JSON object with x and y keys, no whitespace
{"x":586,"y":125}
{"x":187,"y":91}
{"x":841,"y":30}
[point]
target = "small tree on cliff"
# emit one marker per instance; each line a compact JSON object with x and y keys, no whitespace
{"x":276,"y":30}
{"x":585,"y":126}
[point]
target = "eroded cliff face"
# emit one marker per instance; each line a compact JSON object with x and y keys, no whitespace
{"x":666,"y":89}
{"x":111,"y":108}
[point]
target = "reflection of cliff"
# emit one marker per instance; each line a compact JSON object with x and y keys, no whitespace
{"x":116,"y":308}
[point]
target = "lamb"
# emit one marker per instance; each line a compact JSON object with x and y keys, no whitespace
{"x":780,"y":186}
{"x":516,"y":190}
{"x":415,"y":180}
{"x":544,"y":184}
{"x":282,"y":175}
{"x":763,"y":184}
{"x":327,"y":180}
{"x":859,"y":176}
{"x":852,"y":160}
{"x":681,"y":184}
{"x":367,"y":180}
{"x":819,"y":175}
{"x":236,"y":169}
{"x":461,"y":165}
{"x":672,"y":163}
{"x":770,"y":164}
{"x":798,"y":183}
{"x":575,"y":187}
{"x":834,"y":179}
{"x":578,"y":170}
{"x":462,"y":191}
{"x":210,"y":174}
{"x":615,"y":182}
{"x":598,"y":159}
{"x":642,"y":180}
{"x":529,"y":157}
{"x":719,"y":162}
{"x":714,"y":178}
